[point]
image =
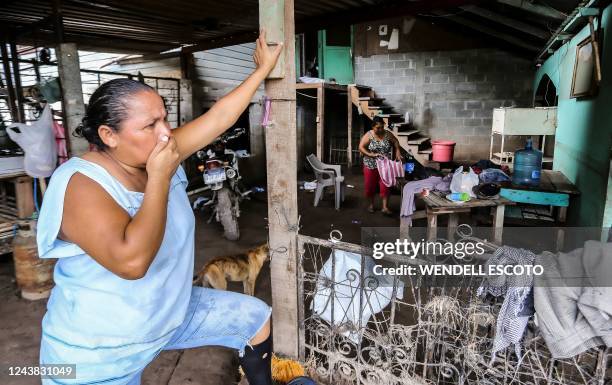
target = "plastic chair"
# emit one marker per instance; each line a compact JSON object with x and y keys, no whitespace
{"x":327,"y":175}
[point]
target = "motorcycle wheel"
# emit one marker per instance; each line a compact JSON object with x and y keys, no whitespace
{"x":226,"y":215}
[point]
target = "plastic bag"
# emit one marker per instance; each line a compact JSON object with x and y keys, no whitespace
{"x":490,"y":175}
{"x":464,"y":182}
{"x":38,"y":143}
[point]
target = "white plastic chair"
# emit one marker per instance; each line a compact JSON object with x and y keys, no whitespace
{"x":327,"y":175}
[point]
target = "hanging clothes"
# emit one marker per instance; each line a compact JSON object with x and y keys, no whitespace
{"x":389,"y":170}
{"x":512,"y":318}
{"x":60,"y":142}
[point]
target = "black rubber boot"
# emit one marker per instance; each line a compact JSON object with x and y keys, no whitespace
{"x":256,"y":363}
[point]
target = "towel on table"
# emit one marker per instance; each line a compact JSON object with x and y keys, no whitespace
{"x":415,"y":187}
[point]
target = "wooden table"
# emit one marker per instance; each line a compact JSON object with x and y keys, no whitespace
{"x":437,"y":204}
{"x":554,"y":190}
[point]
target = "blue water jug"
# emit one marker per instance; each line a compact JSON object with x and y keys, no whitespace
{"x":527,"y":166}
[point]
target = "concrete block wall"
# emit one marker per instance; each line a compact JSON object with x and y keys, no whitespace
{"x":451,"y":94}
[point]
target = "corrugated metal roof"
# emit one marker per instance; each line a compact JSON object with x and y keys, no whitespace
{"x":153,"y":25}
{"x":147,"y":26}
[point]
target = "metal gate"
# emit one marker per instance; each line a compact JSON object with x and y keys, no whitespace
{"x":426,"y":336}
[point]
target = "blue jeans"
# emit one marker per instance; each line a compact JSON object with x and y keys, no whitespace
{"x":220,"y":318}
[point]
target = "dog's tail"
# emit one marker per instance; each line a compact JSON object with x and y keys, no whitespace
{"x":201,"y":280}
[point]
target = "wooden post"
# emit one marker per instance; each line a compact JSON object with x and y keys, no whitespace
{"x":186,"y":105}
{"x":349,"y":131}
{"x":432,"y":226}
{"x":17,"y":77}
{"x":9,"y":85}
{"x":281,"y":161}
{"x":498,"y":223}
{"x":320,"y":121}
{"x":595,"y":45}
{"x":453,"y":223}
{"x":72,"y":95}
{"x":24,"y":196}
{"x":561,"y":219}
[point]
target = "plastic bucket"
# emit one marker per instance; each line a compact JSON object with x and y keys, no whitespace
{"x":442,"y":150}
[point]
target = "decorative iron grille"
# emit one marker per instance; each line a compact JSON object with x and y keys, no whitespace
{"x":431,"y":335}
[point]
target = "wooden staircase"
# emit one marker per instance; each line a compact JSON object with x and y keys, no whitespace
{"x":411,"y":140}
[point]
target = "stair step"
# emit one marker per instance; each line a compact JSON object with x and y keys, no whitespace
{"x":426,"y":151}
{"x":390,"y":115}
{"x":400,"y":124}
{"x":407,"y":133}
{"x":370,"y":98}
{"x":418,"y":141}
{"x":362,"y":87}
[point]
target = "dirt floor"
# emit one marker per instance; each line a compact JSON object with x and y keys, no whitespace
{"x":20,"y":319}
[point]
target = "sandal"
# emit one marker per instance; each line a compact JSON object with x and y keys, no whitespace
{"x":387,"y":212}
{"x":371,"y":209}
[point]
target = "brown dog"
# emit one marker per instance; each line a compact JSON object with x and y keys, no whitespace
{"x":240,"y":267}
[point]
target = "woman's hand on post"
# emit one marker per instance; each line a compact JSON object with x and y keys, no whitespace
{"x":164,"y":159}
{"x":265,"y":57}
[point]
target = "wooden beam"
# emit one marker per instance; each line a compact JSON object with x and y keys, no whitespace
{"x":17,"y":77}
{"x":507,"y":21}
{"x":222,"y":41}
{"x":24,"y":196}
{"x":491,"y":32}
{"x":33,"y":28}
{"x":357,"y":15}
{"x":92,"y":42}
{"x":572,"y":23}
{"x":349,"y":128}
{"x":498,"y":223}
{"x":9,"y":83}
{"x":320,"y":121}
{"x":541,"y":10}
{"x":273,"y":14}
{"x":73,"y":106}
{"x":281,"y":161}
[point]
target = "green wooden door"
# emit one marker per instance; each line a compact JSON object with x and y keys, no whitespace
{"x":335,"y":55}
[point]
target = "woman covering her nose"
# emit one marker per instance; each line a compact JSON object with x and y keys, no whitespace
{"x":119,"y":221}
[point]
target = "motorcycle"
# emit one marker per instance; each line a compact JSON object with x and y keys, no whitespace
{"x":222,"y":177}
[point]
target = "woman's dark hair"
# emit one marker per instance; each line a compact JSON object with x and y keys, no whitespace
{"x":378,"y":120}
{"x":108,"y":106}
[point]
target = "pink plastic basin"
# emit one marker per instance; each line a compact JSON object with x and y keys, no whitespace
{"x":442,"y":150}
